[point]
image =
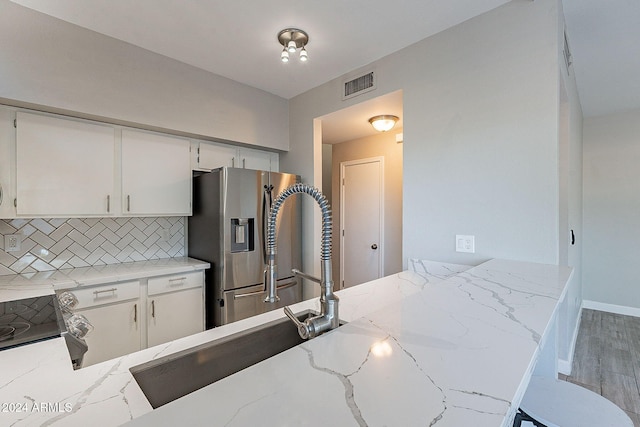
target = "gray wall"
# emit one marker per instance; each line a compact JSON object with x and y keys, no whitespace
{"x":612,"y":210}
{"x":58,"y":66}
{"x":480,"y":136}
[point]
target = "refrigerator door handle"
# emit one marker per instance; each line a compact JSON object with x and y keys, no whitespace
{"x":250,"y":294}
{"x":289,"y":284}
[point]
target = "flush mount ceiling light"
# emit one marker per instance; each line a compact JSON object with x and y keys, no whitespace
{"x":291,"y":40}
{"x":383,"y":122}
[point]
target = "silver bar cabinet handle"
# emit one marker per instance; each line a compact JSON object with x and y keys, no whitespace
{"x":96,"y":293}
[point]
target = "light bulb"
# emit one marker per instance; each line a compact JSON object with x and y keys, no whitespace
{"x":303,"y":55}
{"x":291,"y":46}
{"x":284,"y":56}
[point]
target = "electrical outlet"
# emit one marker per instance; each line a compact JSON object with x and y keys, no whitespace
{"x":465,"y":243}
{"x":12,"y":242}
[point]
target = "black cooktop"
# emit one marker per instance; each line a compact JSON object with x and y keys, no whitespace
{"x":30,"y":319}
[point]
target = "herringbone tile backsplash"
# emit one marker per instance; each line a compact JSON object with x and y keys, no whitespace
{"x":56,"y":244}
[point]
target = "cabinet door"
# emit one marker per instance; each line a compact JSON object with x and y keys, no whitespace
{"x":116,"y":331}
{"x":255,"y":159}
{"x":64,"y":167}
{"x":7,"y":165}
{"x":275,"y":162}
{"x":213,"y":156}
{"x":156,"y":174}
{"x":174,"y":315}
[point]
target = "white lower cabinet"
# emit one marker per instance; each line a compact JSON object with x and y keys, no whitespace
{"x":116,"y":331}
{"x":174,"y":307}
{"x":128,"y":316}
{"x":114,"y":312}
{"x":174,"y":315}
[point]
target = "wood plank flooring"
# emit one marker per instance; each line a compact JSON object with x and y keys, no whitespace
{"x":607,"y":359}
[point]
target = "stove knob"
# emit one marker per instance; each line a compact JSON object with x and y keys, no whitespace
{"x":67,"y":301}
{"x":79,"y":326}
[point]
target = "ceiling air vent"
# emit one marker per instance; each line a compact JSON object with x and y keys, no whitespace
{"x":359,"y":85}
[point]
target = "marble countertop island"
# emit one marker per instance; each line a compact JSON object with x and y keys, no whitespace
{"x":440,"y":344}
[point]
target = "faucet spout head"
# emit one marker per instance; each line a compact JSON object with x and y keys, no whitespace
{"x":271,"y":275}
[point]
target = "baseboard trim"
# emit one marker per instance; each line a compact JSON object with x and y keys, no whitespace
{"x":611,"y":308}
{"x":566,"y":366}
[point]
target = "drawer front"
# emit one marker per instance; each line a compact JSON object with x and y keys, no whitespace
{"x":175,"y":282}
{"x":106,"y":294}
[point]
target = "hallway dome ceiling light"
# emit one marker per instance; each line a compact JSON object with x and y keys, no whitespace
{"x":383,"y":122}
{"x":291,"y":40}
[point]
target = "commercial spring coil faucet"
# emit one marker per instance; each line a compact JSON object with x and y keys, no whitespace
{"x":328,"y":317}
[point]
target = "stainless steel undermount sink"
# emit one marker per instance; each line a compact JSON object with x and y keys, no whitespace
{"x":171,"y":377}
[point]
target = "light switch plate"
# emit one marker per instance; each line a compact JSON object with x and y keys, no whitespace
{"x":465,"y":243}
{"x":12,"y":242}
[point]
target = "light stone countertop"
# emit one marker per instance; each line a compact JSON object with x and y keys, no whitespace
{"x":458,"y":349}
{"x":18,"y":286}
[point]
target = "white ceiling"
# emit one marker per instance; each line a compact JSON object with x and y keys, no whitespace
{"x":237,"y":39}
{"x":604,"y":38}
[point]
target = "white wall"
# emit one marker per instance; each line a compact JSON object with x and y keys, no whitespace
{"x":571,"y":218}
{"x":58,"y":67}
{"x":480,"y":136}
{"x":612,"y":210}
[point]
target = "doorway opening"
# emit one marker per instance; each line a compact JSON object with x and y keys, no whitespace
{"x":362,"y":178}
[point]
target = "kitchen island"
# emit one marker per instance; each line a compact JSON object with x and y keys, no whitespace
{"x":439,"y":344}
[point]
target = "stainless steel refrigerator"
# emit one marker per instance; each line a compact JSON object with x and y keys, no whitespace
{"x":228,"y":228}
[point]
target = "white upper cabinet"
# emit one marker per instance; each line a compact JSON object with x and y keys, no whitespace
{"x":156,"y":174}
{"x":55,"y":166}
{"x":212,"y":156}
{"x":64,"y":166}
{"x":7,"y":165}
{"x":255,"y":159}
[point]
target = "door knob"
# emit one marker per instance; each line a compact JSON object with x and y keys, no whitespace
{"x":374,"y":246}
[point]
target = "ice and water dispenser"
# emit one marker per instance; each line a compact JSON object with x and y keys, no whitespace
{"x":242,"y":234}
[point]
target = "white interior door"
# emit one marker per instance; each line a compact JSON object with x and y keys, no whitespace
{"x":361,"y":221}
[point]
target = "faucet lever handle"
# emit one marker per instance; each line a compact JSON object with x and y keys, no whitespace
{"x":303,"y":329}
